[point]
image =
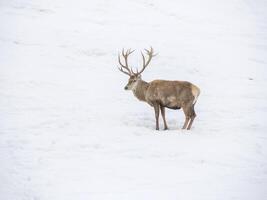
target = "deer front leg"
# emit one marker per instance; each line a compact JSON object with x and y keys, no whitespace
{"x":162,"y":110}
{"x":156,"y":108}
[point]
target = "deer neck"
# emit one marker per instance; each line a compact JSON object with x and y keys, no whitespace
{"x":140,"y":89}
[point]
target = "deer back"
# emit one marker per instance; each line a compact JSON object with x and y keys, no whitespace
{"x":171,"y":94}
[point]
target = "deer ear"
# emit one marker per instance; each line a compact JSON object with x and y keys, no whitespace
{"x":139,"y":76}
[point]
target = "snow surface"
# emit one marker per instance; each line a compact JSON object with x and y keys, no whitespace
{"x":69,"y":131}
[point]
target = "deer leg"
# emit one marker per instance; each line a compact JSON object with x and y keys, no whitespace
{"x":193,"y":115}
{"x":162,"y":110}
{"x":186,"y":122}
{"x":187,"y":117}
{"x":156,"y":108}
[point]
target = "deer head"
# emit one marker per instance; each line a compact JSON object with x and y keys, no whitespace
{"x":134,"y":77}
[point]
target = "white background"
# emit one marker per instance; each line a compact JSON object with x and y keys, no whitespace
{"x":69,"y":131}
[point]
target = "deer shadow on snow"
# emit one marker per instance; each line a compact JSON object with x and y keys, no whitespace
{"x":146,"y":120}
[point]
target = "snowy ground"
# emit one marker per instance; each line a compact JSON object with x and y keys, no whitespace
{"x":69,"y":131}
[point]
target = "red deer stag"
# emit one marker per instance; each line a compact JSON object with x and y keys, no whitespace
{"x":161,"y":94}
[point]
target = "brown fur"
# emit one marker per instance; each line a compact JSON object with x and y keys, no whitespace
{"x":169,"y":94}
{"x":161,"y":94}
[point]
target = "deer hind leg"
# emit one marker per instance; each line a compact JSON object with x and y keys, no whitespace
{"x":156,"y":108}
{"x":186,"y":110}
{"x":186,"y":122}
{"x":192,"y":117}
{"x":162,"y":110}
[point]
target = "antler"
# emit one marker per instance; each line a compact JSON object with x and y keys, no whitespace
{"x":150,"y":54}
{"x":126,"y":67}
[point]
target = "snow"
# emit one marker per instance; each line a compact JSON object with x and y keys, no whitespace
{"x":68,"y":130}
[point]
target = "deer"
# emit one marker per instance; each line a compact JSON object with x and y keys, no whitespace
{"x":160,"y":94}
